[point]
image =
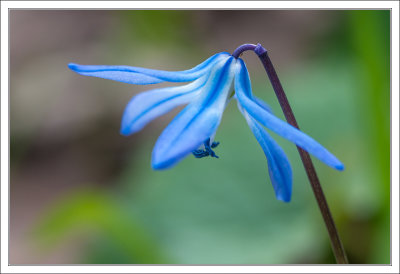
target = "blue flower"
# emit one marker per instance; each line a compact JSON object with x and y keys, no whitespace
{"x":206,"y":96}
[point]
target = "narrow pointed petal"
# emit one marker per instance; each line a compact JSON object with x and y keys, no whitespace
{"x":279,"y":168}
{"x":146,"y":106}
{"x":244,"y":95}
{"x":262,"y":104}
{"x":144,"y":76}
{"x":116,"y":73}
{"x":198,"y":121}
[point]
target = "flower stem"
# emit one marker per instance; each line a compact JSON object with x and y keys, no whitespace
{"x":336,"y":243}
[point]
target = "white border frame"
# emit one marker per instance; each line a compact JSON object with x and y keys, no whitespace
{"x":6,"y":5}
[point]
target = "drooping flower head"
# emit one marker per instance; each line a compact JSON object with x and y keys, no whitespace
{"x":193,"y":129}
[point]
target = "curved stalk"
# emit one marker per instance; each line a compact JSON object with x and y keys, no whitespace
{"x":336,"y":243}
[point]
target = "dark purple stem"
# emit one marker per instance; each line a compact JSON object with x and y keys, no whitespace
{"x":243,"y":48}
{"x":336,"y":243}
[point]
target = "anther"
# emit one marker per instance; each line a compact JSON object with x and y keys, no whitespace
{"x":207,"y":151}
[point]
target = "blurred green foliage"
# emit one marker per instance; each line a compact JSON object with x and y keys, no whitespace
{"x":370,"y":32}
{"x":224,"y":211}
{"x":96,"y":213}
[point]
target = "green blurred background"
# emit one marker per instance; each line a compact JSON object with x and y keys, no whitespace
{"x":82,"y":193}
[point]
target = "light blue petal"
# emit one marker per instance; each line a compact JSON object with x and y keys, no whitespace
{"x":262,"y":104}
{"x":107,"y":72}
{"x":197,"y":121}
{"x":144,"y":76}
{"x":146,"y":106}
{"x":244,"y":95}
{"x":279,"y":168}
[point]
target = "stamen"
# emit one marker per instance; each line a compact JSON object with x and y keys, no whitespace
{"x":214,"y":144}
{"x":207,"y":151}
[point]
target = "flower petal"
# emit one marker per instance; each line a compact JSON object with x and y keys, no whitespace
{"x":198,"y":121}
{"x":244,"y":95}
{"x":146,"y":106}
{"x":115,"y":73}
{"x":144,"y":76}
{"x":262,"y":104}
{"x":279,"y":168}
